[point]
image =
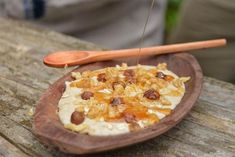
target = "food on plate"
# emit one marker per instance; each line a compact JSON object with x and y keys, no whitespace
{"x":119,"y":99}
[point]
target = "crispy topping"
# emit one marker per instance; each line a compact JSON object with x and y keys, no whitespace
{"x":101,"y":77}
{"x":134,"y":126}
{"x":164,"y":101}
{"x":184,"y":79}
{"x":129,"y":73}
{"x":83,"y":83}
{"x":87,"y":95}
{"x":162,"y":66}
{"x":117,"y":101}
{"x":161,"y":75}
{"x":117,"y":83}
{"x":77,"y":117}
{"x":126,"y":95}
{"x":130,"y":80}
{"x":152,"y":94}
{"x":169,"y":78}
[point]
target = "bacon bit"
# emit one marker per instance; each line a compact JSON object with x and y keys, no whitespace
{"x":129,"y":118}
{"x":116,"y":83}
{"x":77,"y":117}
{"x":117,"y":101}
{"x":102,"y":77}
{"x":86,"y":95}
{"x":152,"y":94}
{"x":129,"y":73}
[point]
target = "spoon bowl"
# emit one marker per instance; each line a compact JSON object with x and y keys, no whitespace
{"x":64,"y":58}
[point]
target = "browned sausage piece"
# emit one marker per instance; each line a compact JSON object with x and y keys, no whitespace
{"x":152,"y":94}
{"x":101,"y":77}
{"x":129,"y":118}
{"x":87,"y":95}
{"x":77,"y":117}
{"x":117,"y":101}
{"x":131,"y":79}
{"x":130,"y":73}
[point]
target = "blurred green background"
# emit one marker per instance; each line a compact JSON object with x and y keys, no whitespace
{"x":172,"y":14}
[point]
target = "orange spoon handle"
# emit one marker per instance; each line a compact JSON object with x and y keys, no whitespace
{"x":70,"y":58}
{"x":173,"y":48}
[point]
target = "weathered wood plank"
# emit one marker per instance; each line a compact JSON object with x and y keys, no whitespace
{"x":205,"y":139}
{"x":209,"y":130}
{"x":215,"y":110}
{"x":9,"y":150}
{"x":209,"y":121}
{"x":22,"y":138}
{"x":219,"y":93}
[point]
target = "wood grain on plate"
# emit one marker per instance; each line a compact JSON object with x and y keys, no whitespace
{"x":50,"y":130}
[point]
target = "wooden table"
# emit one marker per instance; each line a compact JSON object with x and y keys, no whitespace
{"x":208,"y":130}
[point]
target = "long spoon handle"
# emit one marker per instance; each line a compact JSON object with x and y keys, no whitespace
{"x":69,"y":58}
{"x":173,"y":48}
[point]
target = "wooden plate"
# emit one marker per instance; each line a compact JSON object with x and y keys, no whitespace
{"x":50,"y":130}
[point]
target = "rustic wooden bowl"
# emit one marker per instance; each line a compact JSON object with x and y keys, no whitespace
{"x":50,"y":130}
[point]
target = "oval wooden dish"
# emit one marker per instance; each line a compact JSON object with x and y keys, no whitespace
{"x":50,"y":130}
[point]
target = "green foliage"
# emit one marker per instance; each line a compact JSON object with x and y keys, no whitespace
{"x":172,"y":15}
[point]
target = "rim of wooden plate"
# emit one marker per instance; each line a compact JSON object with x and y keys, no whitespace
{"x":48,"y":128}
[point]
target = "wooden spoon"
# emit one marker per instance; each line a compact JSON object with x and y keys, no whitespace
{"x":71,"y":58}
